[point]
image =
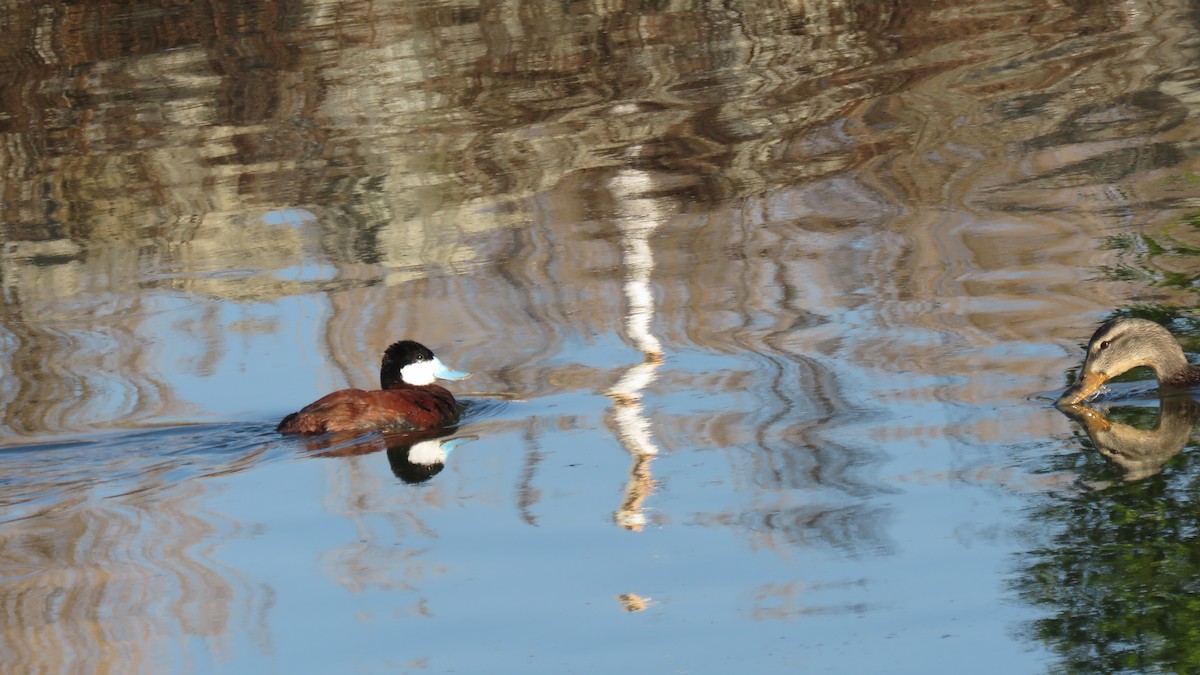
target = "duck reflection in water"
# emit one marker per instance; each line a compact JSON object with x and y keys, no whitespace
{"x":1139,"y":453}
{"x":414,"y":457}
{"x":417,"y":462}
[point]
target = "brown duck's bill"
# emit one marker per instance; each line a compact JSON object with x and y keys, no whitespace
{"x":1083,"y":388}
{"x":1090,"y":419}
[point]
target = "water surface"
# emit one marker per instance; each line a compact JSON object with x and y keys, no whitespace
{"x":765,"y":305}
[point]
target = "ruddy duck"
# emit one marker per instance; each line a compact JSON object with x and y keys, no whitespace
{"x":407,"y":401}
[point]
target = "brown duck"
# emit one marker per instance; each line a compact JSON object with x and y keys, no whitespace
{"x":407,"y":399}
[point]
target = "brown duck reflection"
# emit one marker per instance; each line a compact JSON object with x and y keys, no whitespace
{"x":1140,"y":453}
{"x":415,"y":457}
{"x":417,"y":462}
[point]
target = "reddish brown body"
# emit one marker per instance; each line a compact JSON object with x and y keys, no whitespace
{"x":404,"y":407}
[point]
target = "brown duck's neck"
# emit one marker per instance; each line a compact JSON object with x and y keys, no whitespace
{"x":1179,"y":374}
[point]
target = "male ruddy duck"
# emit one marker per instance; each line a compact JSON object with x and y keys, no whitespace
{"x":407,"y":401}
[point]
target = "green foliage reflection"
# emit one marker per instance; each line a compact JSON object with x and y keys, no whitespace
{"x":1144,"y":251}
{"x":1118,"y":565}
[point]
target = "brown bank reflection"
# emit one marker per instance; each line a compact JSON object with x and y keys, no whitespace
{"x":108,"y":559}
{"x":1140,"y":453}
{"x":440,"y":154}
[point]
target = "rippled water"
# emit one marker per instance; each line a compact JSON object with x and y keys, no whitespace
{"x":765,"y":305}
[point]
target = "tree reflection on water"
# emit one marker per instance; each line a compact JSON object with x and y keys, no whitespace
{"x":1115,"y":568}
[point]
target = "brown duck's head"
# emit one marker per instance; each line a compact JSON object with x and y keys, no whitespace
{"x":1120,"y":345}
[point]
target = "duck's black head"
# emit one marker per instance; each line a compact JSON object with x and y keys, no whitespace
{"x":412,"y":363}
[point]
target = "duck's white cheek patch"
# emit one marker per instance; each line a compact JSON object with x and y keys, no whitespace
{"x":419,"y":373}
{"x":427,"y":453}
